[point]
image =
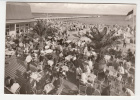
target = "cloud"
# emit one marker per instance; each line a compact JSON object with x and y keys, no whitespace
{"x":82,"y":8}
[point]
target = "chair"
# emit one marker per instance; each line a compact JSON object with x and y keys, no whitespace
{"x":96,"y":92}
{"x":59,"y":91}
{"x":10,"y":92}
{"x":18,"y":91}
{"x":99,"y":81}
{"x":82,"y":89}
{"x":90,"y":90}
{"x":99,"y":84}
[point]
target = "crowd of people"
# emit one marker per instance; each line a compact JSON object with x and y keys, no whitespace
{"x":52,"y":60}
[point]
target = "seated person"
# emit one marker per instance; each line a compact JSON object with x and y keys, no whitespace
{"x":119,"y":77}
{"x":7,"y":81}
{"x":101,"y":75}
{"x":48,"y":87}
{"x":130,"y":80}
{"x":27,"y":74}
{"x":50,"y":62}
{"x":14,"y":86}
{"x":121,"y":70}
{"x":91,"y":77}
{"x":30,"y":84}
{"x":40,"y":66}
{"x":78,"y":72}
{"x":106,"y":91}
{"x":58,"y":84}
{"x":87,"y":68}
{"x":84,"y":78}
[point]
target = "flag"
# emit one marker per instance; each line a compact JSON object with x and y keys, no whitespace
{"x":129,"y":15}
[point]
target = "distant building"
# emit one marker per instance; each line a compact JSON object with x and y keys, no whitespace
{"x":18,"y":18}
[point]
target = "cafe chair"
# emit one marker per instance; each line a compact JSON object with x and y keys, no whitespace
{"x":18,"y":91}
{"x":82,"y":89}
{"x":97,"y":92}
{"x":59,"y":91}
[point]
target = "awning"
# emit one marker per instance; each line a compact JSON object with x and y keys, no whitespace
{"x":18,"y":11}
{"x":19,"y":21}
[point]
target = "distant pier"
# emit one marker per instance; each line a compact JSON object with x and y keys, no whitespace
{"x":58,"y":18}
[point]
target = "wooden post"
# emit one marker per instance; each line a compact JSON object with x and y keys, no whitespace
{"x":15,"y":29}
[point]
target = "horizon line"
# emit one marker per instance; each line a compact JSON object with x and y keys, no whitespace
{"x":79,"y":13}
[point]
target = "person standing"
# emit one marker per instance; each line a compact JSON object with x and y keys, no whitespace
{"x":28,"y":61}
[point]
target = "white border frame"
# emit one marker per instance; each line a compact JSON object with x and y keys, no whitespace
{"x":38,"y":97}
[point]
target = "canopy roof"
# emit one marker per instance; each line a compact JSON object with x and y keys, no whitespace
{"x":16,"y":11}
{"x":19,"y":21}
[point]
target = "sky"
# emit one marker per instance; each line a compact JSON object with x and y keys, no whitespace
{"x":113,"y":9}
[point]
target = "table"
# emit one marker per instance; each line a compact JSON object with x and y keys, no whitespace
{"x":36,"y":76}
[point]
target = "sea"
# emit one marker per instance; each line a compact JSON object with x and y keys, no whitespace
{"x":103,"y":19}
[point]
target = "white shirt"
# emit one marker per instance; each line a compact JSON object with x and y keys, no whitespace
{"x":68,"y":58}
{"x":87,"y":69}
{"x":92,"y":78}
{"x":28,"y":58}
{"x":78,"y":71}
{"x":128,"y":65}
{"x":119,"y":78}
{"x":85,"y":50}
{"x":48,"y":87}
{"x":50,"y":62}
{"x":61,"y":54}
{"x":65,"y":68}
{"x":84,"y":78}
{"x":47,"y":47}
{"x":14,"y":87}
{"x":42,"y":52}
{"x":90,"y":63}
{"x":121,"y":70}
{"x":74,"y":58}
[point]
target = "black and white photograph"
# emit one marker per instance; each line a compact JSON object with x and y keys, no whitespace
{"x":59,"y":48}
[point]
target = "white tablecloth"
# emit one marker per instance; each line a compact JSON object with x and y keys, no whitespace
{"x":36,"y":76}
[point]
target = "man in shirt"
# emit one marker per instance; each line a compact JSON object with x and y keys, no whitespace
{"x":92,"y":77}
{"x":28,"y":61}
{"x":121,"y":70}
{"x":84,"y":78}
